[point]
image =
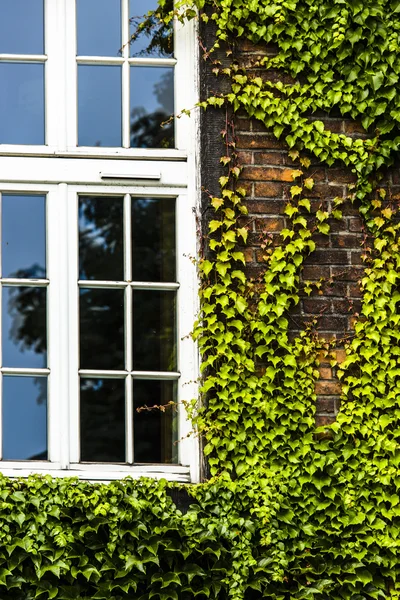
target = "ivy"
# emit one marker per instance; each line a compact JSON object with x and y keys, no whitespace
{"x":291,"y":511}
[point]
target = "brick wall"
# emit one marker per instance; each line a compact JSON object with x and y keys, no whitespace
{"x":337,"y":261}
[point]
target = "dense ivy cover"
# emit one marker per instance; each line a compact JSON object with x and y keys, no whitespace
{"x":291,"y":512}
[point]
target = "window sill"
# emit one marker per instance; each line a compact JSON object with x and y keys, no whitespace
{"x":98,"y":472}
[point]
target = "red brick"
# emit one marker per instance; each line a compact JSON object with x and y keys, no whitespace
{"x":325,"y":372}
{"x":342,"y":176}
{"x":328,"y":388}
{"x":267,"y":174}
{"x":268,"y":207}
{"x":270,"y":224}
{"x":321,"y":420}
{"x":345,"y":241}
{"x":245,"y":158}
{"x":269,"y":158}
{"x":353,"y":127}
{"x":268,"y":190}
{"x":326,"y":405}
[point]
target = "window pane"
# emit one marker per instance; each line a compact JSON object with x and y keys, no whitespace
{"x":98,"y":27}
{"x":24,"y":338}
{"x":23,"y":236}
{"x":155,"y":42}
{"x":102,"y":329}
{"x":21,"y":103}
{"x":21,"y":27}
{"x":99,"y":105}
{"x":24,"y":418}
{"x":153,"y":239}
{"x":155,"y":431}
{"x":152,"y":103}
{"x":102,"y":414}
{"x":101,"y":238}
{"x":154,"y":331}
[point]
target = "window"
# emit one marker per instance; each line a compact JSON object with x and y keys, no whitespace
{"x":98,"y":286}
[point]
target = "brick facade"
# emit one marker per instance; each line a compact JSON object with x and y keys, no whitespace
{"x":337,"y":262}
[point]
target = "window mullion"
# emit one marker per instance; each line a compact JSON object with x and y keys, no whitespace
{"x":128,"y":328}
{"x":57,"y":262}
{"x":71,"y":74}
{"x":71,"y":224}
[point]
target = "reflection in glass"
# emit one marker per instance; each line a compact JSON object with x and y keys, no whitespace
{"x":153,"y":239}
{"x":21,"y":27}
{"x":152,"y":103}
{"x":21,"y":103}
{"x":23,"y":236}
{"x":101,"y":329}
{"x":155,"y":430}
{"x":102,"y":419}
{"x":154,"y":330}
{"x":24,"y":418}
{"x":99,"y":105}
{"x":101,"y":246}
{"x":24,"y":339}
{"x":154,"y":39}
{"x":98,"y":27}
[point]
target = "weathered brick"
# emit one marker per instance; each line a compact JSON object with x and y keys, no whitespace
{"x":325,"y":372}
{"x":347,"y":273}
{"x":343,"y":240}
{"x":326,"y":405}
{"x":267,"y":207}
{"x":269,"y":158}
{"x":245,"y":158}
{"x":332,"y":323}
{"x":270,"y":224}
{"x":268,"y":190}
{"x":267,"y":174}
{"x":342,"y":176}
{"x":328,"y":388}
{"x":321,"y":420}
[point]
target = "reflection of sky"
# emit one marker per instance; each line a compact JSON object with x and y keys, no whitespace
{"x":24,"y":419}
{"x":152,"y":88}
{"x":138,"y":8}
{"x":99,"y":105}
{"x":23,"y":234}
{"x":99,"y":27}
{"x":21,"y":27}
{"x":16,"y":354}
{"x":21,"y":103}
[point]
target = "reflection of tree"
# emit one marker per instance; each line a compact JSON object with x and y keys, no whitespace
{"x":155,"y":36}
{"x":102,"y":322}
{"x":27,"y":309}
{"x":147,"y":130}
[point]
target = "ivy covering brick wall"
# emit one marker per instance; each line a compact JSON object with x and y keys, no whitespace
{"x":291,"y":511}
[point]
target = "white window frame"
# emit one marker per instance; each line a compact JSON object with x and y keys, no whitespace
{"x":61,"y":170}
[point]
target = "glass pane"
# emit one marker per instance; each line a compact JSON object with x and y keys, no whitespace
{"x":21,"y":103}
{"x":24,"y":418}
{"x":152,"y":103}
{"x":23,"y":236}
{"x":154,"y":331}
{"x":102,"y":329}
{"x":98,"y":27}
{"x":153,"y":239}
{"x":155,"y":430}
{"x":102,"y":418}
{"x":155,"y":41}
{"x":21,"y":27}
{"x":99,"y":105}
{"x":101,"y":238}
{"x":24,"y":338}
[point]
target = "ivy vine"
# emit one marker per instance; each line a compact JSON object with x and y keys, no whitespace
{"x":291,"y":511}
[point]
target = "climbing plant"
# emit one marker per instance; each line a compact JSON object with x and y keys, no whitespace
{"x":290,"y":511}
